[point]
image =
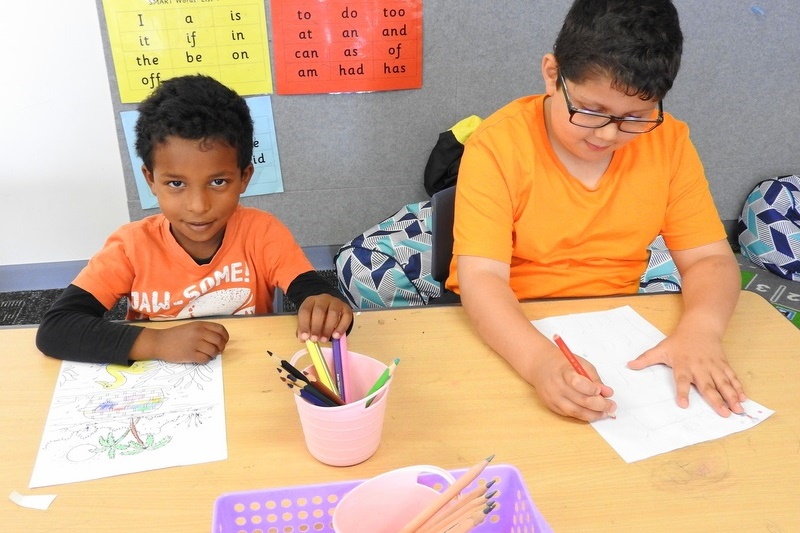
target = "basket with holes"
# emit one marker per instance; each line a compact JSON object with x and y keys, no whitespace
{"x":309,"y":508}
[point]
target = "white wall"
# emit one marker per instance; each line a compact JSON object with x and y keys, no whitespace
{"x":62,"y":190}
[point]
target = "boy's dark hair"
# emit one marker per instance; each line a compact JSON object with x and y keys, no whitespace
{"x":194,"y":107}
{"x":636,"y":43}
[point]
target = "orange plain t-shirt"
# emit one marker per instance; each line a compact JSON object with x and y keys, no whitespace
{"x":517,"y":203}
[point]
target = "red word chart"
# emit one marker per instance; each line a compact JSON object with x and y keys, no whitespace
{"x":330,"y":46}
{"x":154,"y":40}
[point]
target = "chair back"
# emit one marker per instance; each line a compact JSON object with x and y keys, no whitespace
{"x":442,"y":215}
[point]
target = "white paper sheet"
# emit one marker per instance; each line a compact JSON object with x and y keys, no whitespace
{"x":107,"y":420}
{"x":40,"y":502}
{"x":649,"y":421}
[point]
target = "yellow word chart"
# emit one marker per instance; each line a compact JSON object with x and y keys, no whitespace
{"x":154,"y":40}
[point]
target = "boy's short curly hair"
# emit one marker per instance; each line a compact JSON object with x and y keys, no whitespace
{"x":194,"y":107}
{"x":636,"y":43}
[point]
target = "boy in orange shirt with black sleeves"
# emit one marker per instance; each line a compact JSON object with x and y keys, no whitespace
{"x":560,"y":195}
{"x":204,"y":255}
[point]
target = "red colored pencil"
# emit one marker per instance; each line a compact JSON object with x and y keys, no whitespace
{"x":570,"y":356}
{"x":574,"y":361}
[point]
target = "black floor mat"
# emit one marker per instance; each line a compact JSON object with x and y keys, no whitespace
{"x":28,"y":307}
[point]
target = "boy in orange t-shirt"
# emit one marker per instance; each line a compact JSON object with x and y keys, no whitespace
{"x":560,"y":194}
{"x":204,"y":255}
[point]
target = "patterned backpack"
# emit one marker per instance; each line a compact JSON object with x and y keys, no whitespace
{"x":769,"y":226}
{"x":390,"y":264}
{"x":661,"y":274}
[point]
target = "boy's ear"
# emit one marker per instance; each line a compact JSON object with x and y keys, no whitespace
{"x":247,"y":173}
{"x":148,"y":177}
{"x":550,"y":73}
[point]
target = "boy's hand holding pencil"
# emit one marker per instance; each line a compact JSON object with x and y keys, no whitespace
{"x":604,"y":392}
{"x":323,"y":317}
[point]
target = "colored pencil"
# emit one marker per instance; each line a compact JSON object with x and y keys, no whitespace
{"x":338,"y":370}
{"x":464,"y":505}
{"x":288,"y":367}
{"x":345,"y":354}
{"x":570,"y":356}
{"x":478,"y":494}
{"x":296,"y":374}
{"x":323,"y":373}
{"x":445,"y":497}
{"x":283,"y":363}
{"x":310,"y":398}
{"x":382,"y":379}
{"x":308,"y":380}
{"x":308,"y":389}
{"x":468,"y":523}
{"x":574,"y":361}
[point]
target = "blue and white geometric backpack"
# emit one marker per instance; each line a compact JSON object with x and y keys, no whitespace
{"x":769,"y":226}
{"x":389,"y":265}
{"x":661,"y":274}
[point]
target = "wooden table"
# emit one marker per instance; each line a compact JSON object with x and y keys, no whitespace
{"x":453,"y":403}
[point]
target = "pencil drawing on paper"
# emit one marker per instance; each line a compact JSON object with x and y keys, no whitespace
{"x":108,"y":420}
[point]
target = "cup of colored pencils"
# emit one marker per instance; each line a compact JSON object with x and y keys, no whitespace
{"x":341,"y":401}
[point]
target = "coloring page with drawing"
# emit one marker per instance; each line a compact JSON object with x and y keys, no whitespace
{"x":107,"y":420}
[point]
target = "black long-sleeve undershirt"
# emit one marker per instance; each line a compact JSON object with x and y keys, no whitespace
{"x":310,"y":283}
{"x":74,"y":328}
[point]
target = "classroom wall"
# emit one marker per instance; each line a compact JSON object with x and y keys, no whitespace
{"x":62,"y":190}
{"x":350,"y":160}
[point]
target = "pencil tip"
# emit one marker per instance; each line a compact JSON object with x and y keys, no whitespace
{"x":490,"y":483}
{"x":270,"y":353}
{"x":490,"y":457}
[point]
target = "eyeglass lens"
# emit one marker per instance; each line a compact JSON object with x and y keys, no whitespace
{"x":589,"y":120}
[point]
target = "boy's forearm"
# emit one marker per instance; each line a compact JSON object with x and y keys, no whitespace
{"x":74,"y":329}
{"x":498,"y":318}
{"x":710,"y":289}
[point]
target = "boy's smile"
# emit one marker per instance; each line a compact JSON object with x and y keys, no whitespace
{"x":197,"y":184}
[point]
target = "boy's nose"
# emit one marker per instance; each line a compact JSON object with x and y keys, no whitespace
{"x":608,"y":132}
{"x":198,"y":202}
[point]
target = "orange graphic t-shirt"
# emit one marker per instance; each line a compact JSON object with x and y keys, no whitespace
{"x":143,"y":262}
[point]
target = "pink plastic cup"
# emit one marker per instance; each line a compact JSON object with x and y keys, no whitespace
{"x":386,"y":503}
{"x":348,"y":434}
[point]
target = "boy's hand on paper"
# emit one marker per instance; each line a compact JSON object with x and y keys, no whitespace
{"x":698,"y":360}
{"x":193,"y":342}
{"x":567,"y":393}
{"x":323,"y":317}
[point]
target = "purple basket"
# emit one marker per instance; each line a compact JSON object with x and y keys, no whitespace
{"x":309,"y":508}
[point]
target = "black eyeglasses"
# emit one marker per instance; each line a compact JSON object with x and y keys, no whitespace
{"x":591,"y":119}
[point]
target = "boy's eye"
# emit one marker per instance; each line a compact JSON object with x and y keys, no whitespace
{"x":175,"y":184}
{"x":219,"y":182}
